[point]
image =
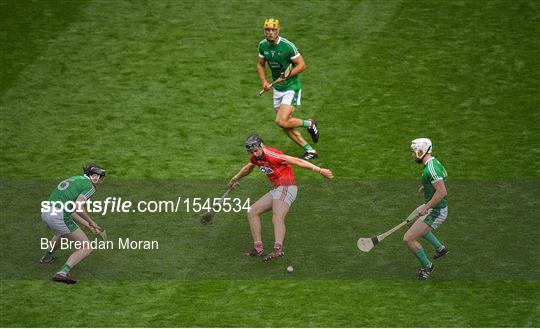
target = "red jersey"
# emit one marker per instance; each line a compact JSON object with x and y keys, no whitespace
{"x":274,"y":166}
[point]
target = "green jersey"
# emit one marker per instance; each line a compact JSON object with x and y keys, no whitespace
{"x":70,"y":189}
{"x":433,"y":171}
{"x":278,"y":57}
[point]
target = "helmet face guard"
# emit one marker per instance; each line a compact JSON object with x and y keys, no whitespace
{"x":94,"y":169}
{"x":253,"y":142}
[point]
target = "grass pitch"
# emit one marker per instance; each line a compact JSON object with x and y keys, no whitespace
{"x":163,"y":94}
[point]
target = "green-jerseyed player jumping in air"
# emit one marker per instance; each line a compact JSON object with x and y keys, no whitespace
{"x":433,"y":211}
{"x":56,"y":214}
{"x":281,"y":53}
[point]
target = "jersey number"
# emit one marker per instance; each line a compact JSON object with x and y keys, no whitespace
{"x":64,"y":184}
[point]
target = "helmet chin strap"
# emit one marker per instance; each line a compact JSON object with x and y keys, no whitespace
{"x":262,"y":152}
{"x":419,"y":160}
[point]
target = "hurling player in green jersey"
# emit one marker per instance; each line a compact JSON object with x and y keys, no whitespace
{"x":279,"y":53}
{"x":433,"y":211}
{"x":65,"y":204}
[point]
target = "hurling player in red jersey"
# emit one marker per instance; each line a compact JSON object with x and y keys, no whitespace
{"x":277,"y":167}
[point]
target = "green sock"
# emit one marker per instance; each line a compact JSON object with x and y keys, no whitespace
{"x":305,"y":123}
{"x":308,"y":147}
{"x":422,"y":258}
{"x":432,"y":239}
{"x":65,"y":268}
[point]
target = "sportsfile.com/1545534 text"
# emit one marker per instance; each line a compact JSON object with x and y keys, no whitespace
{"x":119,"y":205}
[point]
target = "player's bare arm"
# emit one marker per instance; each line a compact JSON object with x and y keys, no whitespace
{"x":262,"y":74}
{"x":326,"y":173}
{"x":299,"y":66}
{"x":84,"y":223}
{"x":246,"y":170}
{"x":82,"y":212}
{"x":440,"y":193}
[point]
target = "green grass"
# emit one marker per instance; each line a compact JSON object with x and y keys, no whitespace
{"x":257,"y":303}
{"x":147,"y":79}
{"x":163,"y":95}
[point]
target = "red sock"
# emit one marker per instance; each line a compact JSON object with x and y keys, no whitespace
{"x":258,"y":245}
{"x":278,"y":246}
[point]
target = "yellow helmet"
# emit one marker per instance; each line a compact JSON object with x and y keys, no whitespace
{"x":271,"y":23}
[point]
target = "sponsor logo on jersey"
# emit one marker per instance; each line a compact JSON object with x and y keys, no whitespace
{"x":266,"y":170}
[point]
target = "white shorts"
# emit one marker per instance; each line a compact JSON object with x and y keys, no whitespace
{"x":435,"y":217}
{"x":56,"y":223}
{"x":288,"y":97}
{"x":286,"y":193}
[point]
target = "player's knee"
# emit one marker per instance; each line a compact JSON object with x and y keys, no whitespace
{"x":407,"y":239}
{"x":281,"y":122}
{"x":84,"y":252}
{"x":253,"y":212}
{"x":278,"y":218}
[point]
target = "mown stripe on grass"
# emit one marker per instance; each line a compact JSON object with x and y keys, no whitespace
{"x":271,"y":303}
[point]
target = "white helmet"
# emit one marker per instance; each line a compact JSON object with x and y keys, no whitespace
{"x":421,"y":147}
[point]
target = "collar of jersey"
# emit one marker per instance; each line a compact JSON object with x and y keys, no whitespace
{"x":277,"y":43}
{"x":432,"y":157}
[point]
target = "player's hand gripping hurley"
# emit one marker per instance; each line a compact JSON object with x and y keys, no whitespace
{"x":366,"y":244}
{"x":103,"y":234}
{"x":284,"y":76}
{"x":96,"y":229}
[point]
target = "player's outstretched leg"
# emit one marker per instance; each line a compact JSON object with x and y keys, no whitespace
{"x":262,"y":205}
{"x":418,"y":229}
{"x":280,"y":209}
{"x":285,"y":120}
{"x":63,"y":274}
{"x":294,"y":134}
